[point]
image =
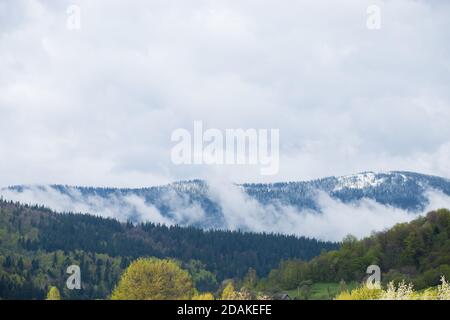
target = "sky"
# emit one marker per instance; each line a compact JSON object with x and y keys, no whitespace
{"x":97,"y":105}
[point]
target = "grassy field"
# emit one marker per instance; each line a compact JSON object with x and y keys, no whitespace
{"x":322,"y":290}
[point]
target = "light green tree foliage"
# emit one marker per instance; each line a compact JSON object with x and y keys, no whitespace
{"x":154,"y":279}
{"x":203,"y":296}
{"x":361,"y":293}
{"x":53,"y":294}
{"x":203,"y":279}
{"x":229,"y":293}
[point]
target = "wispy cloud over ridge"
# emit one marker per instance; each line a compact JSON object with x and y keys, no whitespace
{"x":332,"y":220}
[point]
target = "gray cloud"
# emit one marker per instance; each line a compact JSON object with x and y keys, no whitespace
{"x":96,"y":106}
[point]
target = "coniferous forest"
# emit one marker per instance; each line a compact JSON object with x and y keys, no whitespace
{"x":37,"y":245}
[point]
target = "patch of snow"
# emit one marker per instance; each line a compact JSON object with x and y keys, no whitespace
{"x":358,"y":181}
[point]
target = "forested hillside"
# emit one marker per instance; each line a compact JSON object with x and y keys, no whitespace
{"x":37,"y":245}
{"x":417,"y":252}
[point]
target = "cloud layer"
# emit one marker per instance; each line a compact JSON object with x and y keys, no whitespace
{"x":240,"y":212}
{"x":97,"y":106}
{"x":335,"y":220}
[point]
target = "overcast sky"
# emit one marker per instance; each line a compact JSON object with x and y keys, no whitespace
{"x":97,"y":106}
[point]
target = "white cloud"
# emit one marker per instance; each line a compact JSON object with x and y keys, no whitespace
{"x":240,"y":212}
{"x":335,"y":220}
{"x":122,"y":208}
{"x":97,"y":106}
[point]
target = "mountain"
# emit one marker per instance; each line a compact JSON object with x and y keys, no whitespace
{"x":210,"y":205}
{"x":37,"y":245}
{"x":405,"y":190}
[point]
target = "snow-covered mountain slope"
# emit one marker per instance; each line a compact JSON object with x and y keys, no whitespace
{"x":257,"y":207}
{"x":405,"y":190}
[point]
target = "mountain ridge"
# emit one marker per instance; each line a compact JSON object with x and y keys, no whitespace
{"x":248,"y":206}
{"x":197,"y":180}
